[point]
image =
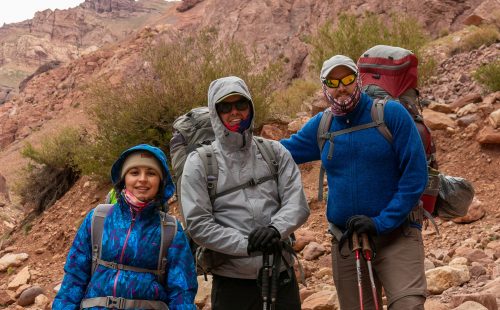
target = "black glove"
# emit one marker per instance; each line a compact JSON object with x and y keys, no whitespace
{"x":263,"y":239}
{"x":361,"y":224}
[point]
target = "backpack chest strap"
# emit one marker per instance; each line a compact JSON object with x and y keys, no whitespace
{"x":331,"y":135}
{"x":111,"y":302}
{"x":117,"y":266}
{"x":251,"y":183}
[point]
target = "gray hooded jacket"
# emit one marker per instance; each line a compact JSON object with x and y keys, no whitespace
{"x":224,"y":226}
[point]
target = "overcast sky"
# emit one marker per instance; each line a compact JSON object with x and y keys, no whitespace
{"x":18,"y":10}
{"x":12,"y":11}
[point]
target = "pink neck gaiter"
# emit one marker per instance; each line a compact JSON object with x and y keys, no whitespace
{"x":134,"y":203}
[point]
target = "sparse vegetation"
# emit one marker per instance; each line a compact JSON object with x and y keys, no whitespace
{"x":489,"y":75}
{"x":289,"y":101}
{"x":52,"y":169}
{"x":143,"y":110}
{"x":353,"y":35}
{"x":477,"y":37}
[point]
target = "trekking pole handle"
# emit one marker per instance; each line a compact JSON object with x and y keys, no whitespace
{"x":366,"y":247}
{"x":355,"y":242}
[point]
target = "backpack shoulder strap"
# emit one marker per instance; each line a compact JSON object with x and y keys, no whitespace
{"x":96,"y":229}
{"x":266,"y":149}
{"x":211,"y":167}
{"x":324,"y":126}
{"x":377,"y":113}
{"x":168,"y":232}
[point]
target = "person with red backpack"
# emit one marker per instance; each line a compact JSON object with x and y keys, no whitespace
{"x":374,"y":187}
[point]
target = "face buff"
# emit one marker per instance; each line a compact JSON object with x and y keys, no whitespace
{"x":340,"y":108}
{"x":242,"y":126}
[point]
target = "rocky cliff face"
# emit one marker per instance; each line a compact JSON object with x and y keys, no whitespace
{"x":276,"y":28}
{"x":65,"y":35}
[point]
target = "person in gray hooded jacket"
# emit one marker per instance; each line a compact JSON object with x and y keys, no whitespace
{"x":245,"y":223}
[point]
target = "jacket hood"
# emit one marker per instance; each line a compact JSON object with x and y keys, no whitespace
{"x":167,"y":185}
{"x":218,"y":91}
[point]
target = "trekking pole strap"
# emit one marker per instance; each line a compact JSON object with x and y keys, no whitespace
{"x":111,"y":302}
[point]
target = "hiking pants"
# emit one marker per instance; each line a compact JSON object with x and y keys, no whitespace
{"x":245,"y":294}
{"x":398,"y":267}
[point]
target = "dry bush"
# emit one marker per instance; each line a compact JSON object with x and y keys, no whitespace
{"x":290,"y":100}
{"x":51,"y":171}
{"x":143,"y":110}
{"x":489,"y":76}
{"x":352,"y":35}
{"x":478,"y":36}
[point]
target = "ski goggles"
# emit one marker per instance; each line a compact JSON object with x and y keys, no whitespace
{"x":346,"y":80}
{"x":226,"y":107}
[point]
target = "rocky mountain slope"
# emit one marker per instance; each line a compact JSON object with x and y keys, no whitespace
{"x":65,"y":35}
{"x":460,"y":114}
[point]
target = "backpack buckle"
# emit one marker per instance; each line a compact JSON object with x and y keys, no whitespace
{"x":115,"y":302}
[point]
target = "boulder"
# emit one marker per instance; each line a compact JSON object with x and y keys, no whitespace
{"x":494,"y":118}
{"x":471,"y":305}
{"x":272,"y":132}
{"x":12,"y":260}
{"x":302,"y":238}
{"x":486,"y":300}
{"x":313,"y":250}
{"x":442,"y":278}
{"x":437,"y":120}
{"x":475,"y":212}
{"x":465,"y":100}
{"x":488,"y":136}
{"x":28,"y":296}
{"x":204,"y":291}
{"x":21,"y":278}
{"x":322,"y":300}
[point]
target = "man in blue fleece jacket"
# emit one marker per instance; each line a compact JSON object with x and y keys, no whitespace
{"x":374,"y":187}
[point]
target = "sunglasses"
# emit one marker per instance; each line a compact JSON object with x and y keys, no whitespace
{"x":226,"y":107}
{"x":346,"y":80}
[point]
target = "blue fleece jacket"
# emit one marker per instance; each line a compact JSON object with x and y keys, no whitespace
{"x":368,"y":175}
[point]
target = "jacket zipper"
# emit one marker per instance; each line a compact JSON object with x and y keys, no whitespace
{"x":123,"y":251}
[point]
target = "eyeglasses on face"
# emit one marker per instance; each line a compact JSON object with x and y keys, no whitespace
{"x":346,"y":80}
{"x":226,"y":107}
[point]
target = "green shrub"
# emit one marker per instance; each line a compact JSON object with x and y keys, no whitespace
{"x":489,"y":75}
{"x":290,"y":100}
{"x":143,"y":110}
{"x":51,"y":170}
{"x":352,"y":35}
{"x":477,"y":37}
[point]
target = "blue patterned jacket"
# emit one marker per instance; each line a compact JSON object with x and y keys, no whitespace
{"x":132,"y":240}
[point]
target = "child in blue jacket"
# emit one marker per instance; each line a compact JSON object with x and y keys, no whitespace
{"x":126,"y":275}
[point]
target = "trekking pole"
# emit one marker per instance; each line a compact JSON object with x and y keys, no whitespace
{"x":275,"y":276}
{"x":367,"y":250}
{"x":265,"y":280}
{"x":356,"y":249}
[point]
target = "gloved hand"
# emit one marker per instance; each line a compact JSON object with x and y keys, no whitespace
{"x":361,"y":224}
{"x":263,"y":239}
